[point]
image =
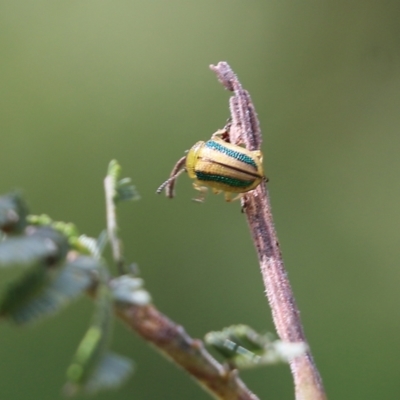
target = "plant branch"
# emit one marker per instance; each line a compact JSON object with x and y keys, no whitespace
{"x":190,"y":354}
{"x":256,"y":205}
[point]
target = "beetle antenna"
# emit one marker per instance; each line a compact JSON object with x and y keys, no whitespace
{"x":169,"y":184}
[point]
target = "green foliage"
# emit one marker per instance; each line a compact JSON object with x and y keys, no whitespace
{"x":93,"y":367}
{"x":244,"y":348}
{"x":69,"y":230}
{"x":38,"y":245}
{"x":94,"y":246}
{"x":36,"y":260}
{"x":45,"y":264}
{"x":129,"y":290}
{"x":13,"y":212}
{"x":123,"y":188}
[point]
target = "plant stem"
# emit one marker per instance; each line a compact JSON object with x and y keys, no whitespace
{"x":256,"y":205}
{"x":112,"y":227}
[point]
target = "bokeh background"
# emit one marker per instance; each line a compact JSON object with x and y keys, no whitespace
{"x":86,"y":81}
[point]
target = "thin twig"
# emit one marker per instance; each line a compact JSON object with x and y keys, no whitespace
{"x":256,"y":205}
{"x":168,"y":337}
{"x":112,"y":228}
{"x":173,"y":342}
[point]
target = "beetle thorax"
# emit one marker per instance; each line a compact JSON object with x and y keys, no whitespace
{"x":191,"y":159}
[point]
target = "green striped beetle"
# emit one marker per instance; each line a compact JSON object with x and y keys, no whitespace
{"x":223,"y":166}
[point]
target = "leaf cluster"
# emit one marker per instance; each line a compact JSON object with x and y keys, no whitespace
{"x":45,"y":265}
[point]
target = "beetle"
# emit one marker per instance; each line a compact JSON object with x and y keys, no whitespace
{"x":222,"y":166}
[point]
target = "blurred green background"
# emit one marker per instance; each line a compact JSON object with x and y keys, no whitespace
{"x":83,"y":82}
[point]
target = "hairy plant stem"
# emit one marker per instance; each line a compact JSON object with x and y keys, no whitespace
{"x":245,"y":129}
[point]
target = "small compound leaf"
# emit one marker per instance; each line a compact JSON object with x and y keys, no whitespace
{"x":85,"y":269}
{"x":67,"y":229}
{"x":90,"y":244}
{"x":25,"y":294}
{"x":110,"y":373}
{"x":244,"y":348}
{"x":48,"y":235}
{"x":123,"y":190}
{"x":102,"y":241}
{"x":73,"y":279}
{"x":41,"y":245}
{"x":43,"y":302}
{"x":126,"y":191}
{"x":13,"y":212}
{"x":18,"y":293}
{"x":231,"y":338}
{"x":133,"y":269}
{"x":25,"y":251}
{"x":87,"y":357}
{"x":128,"y":290}
{"x":87,"y":366}
{"x":94,"y":246}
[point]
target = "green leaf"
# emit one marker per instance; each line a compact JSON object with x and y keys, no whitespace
{"x":240,"y":336}
{"x":13,"y":212}
{"x":94,"y":246}
{"x":25,"y":251}
{"x":69,"y":230}
{"x":73,"y":279}
{"x":244,"y":348}
{"x":93,"y":368}
{"x":123,"y":188}
{"x":126,"y":191}
{"x":17,"y":294}
{"x":111,"y":371}
{"x":39,"y":256}
{"x":129,"y":290}
{"x":41,"y":245}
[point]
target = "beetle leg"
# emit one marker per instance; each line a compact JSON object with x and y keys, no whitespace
{"x":219,"y":134}
{"x":203,"y":191}
{"x":229,"y":199}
